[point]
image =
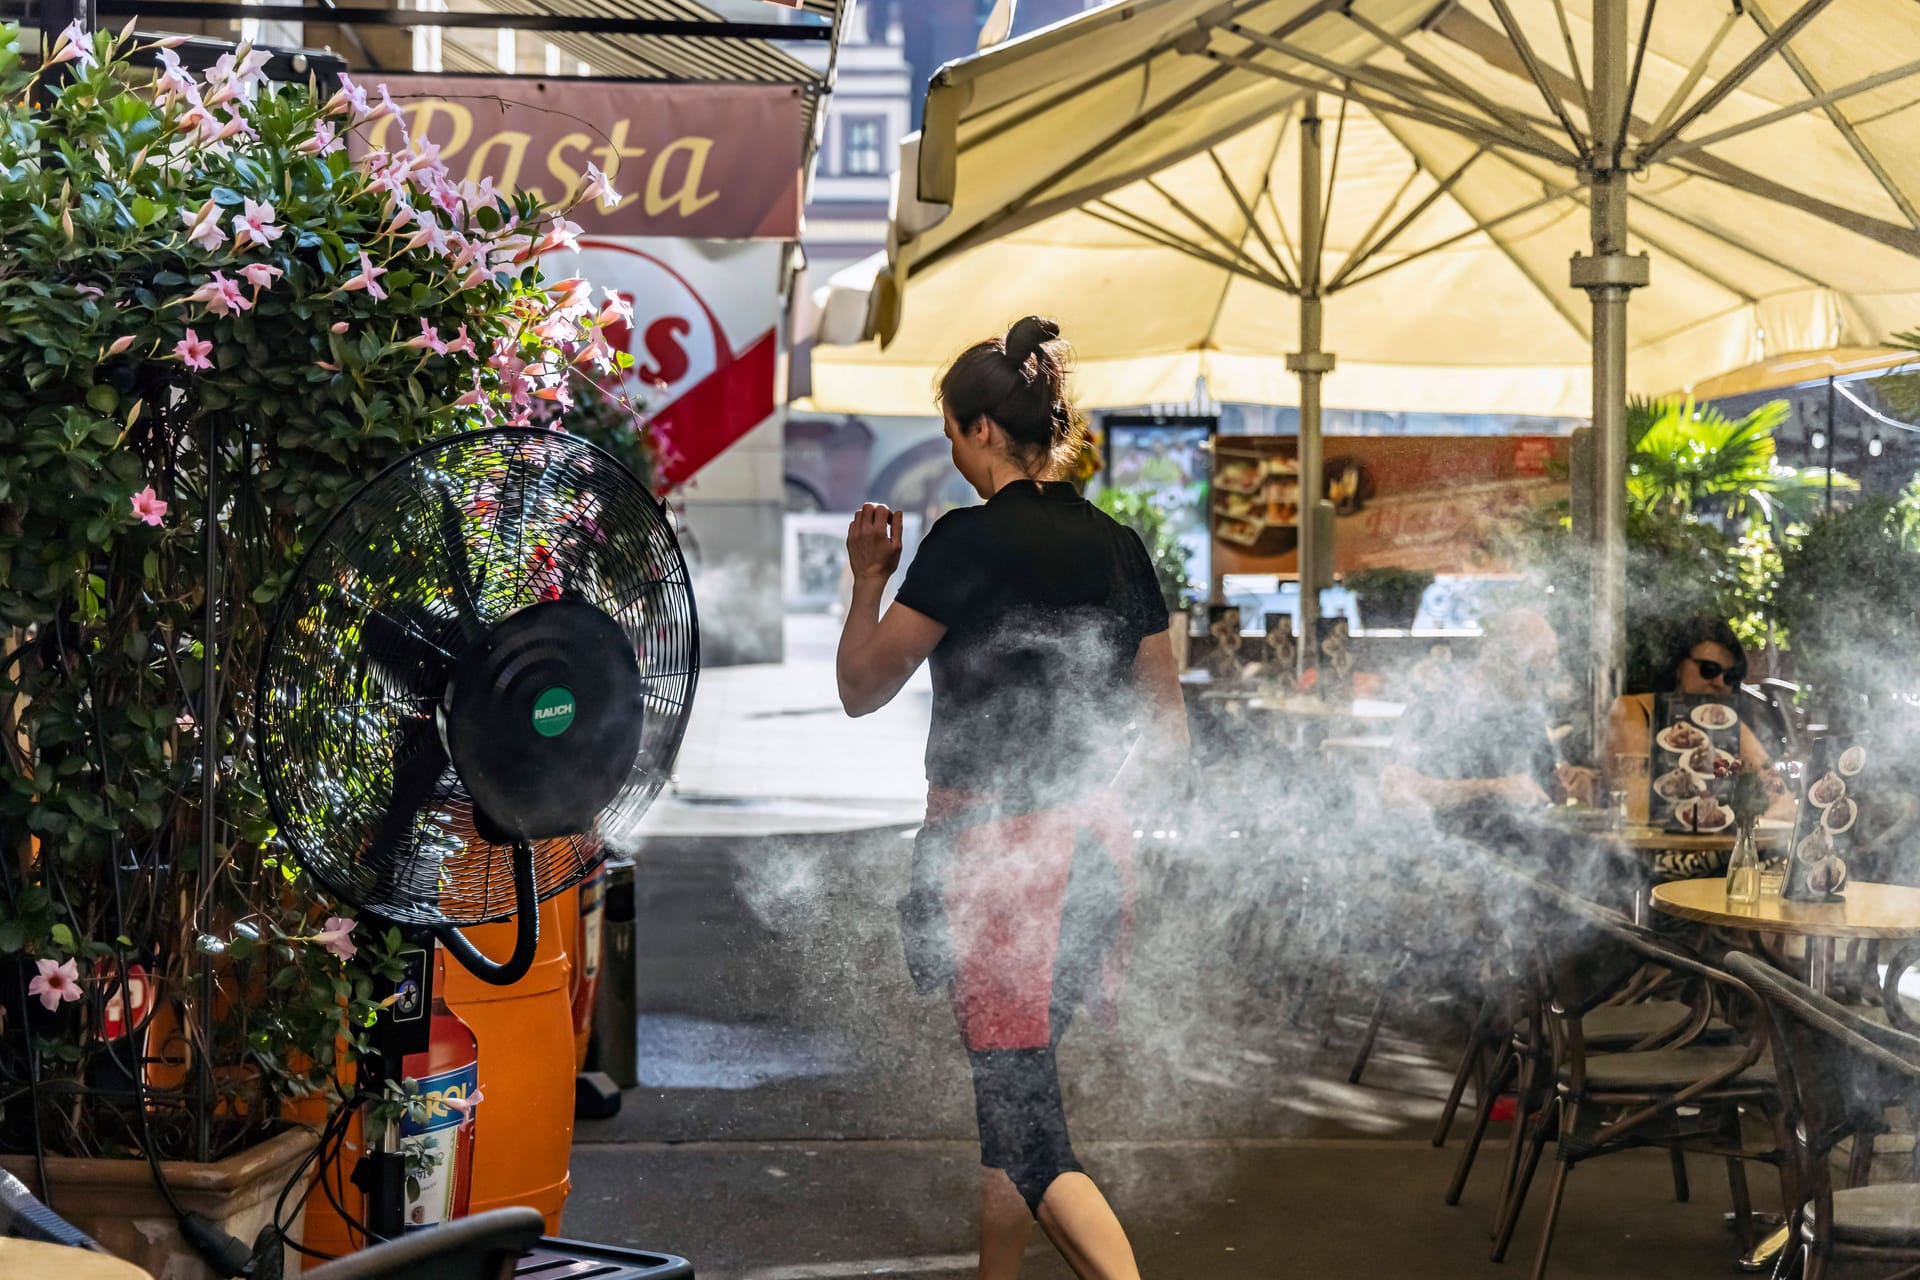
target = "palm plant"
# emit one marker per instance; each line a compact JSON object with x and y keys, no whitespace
{"x":1693,"y":460}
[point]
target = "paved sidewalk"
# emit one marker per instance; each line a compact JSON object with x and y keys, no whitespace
{"x":769,"y":751}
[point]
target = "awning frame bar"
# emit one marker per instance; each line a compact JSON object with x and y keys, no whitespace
{"x":159,"y":11}
{"x":1514,"y":118}
{"x":1479,"y":226}
{"x":1823,"y":101}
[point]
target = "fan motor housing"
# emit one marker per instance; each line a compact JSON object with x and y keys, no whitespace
{"x":543,"y":720}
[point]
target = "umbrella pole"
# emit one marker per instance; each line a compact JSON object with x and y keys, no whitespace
{"x":1609,"y":275}
{"x":1310,"y":363}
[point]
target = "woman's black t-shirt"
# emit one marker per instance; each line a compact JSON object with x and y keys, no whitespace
{"x":1045,"y":599}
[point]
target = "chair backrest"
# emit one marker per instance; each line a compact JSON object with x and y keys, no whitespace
{"x":1838,"y":1072}
{"x":483,"y":1247}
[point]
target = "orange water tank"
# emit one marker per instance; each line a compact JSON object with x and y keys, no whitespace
{"x":524,"y":1130}
{"x":525,"y":1032}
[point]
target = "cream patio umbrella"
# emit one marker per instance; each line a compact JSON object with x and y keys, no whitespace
{"x":1416,"y":175}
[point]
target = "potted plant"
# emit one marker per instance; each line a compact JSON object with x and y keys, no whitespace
{"x":1389,"y":598}
{"x":200,"y":295}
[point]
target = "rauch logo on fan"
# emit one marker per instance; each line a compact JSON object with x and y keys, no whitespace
{"x":553,"y":712}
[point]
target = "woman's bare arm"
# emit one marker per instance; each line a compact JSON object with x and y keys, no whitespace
{"x":878,"y":654}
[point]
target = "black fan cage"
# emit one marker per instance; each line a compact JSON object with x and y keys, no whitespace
{"x":440,"y":546}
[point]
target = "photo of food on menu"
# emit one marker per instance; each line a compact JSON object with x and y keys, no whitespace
{"x":1696,"y":745}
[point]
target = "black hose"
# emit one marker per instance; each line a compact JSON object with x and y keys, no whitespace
{"x":526,"y":941}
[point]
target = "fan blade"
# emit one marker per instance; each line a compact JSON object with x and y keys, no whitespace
{"x":409,"y":648}
{"x":453,"y":550}
{"x":419,"y":762}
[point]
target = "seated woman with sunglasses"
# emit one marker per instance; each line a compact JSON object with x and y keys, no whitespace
{"x":1707,"y":661}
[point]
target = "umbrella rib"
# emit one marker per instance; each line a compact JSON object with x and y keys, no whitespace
{"x":1247,"y":210}
{"x":1132,"y":223}
{"x":1445,"y":114}
{"x":1619,"y":143}
{"x":1691,"y":80}
{"x":1894,"y":236}
{"x":1326,"y":206}
{"x":1728,"y":239}
{"x":1486,"y":226}
{"x":1281,"y":223}
{"x":1573,"y":61}
{"x":1825,"y":101}
{"x":1214,"y":233}
{"x":1479,"y":131}
{"x":1776,"y":40}
{"x":1369,"y":247}
{"x":1514,"y":119}
{"x":1524,"y":48}
{"x":1363,"y":248}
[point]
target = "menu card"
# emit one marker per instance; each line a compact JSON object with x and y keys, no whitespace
{"x":1696,"y":740}
{"x":1829,"y":808}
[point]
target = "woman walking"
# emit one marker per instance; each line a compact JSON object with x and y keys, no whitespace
{"x":1054,"y":699}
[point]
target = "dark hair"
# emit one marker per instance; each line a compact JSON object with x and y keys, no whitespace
{"x":1688,"y":636}
{"x":1019,"y":381}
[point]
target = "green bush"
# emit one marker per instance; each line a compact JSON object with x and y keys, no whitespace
{"x":1139,"y":512}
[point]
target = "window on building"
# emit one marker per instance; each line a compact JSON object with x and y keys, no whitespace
{"x":863,"y":145}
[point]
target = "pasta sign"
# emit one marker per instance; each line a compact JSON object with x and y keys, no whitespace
{"x":705,"y":161}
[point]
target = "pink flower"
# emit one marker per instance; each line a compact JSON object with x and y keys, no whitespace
{"x":59,"y":981}
{"x":617,"y":308}
{"x":563,"y":235}
{"x":387,"y":107}
{"x":74,"y":45}
{"x":599,"y":188}
{"x":476,"y":277}
{"x":203,"y":227}
{"x":320,"y":143}
{"x":174,"y":81}
{"x":120,"y":344}
{"x":202,"y":123}
{"x":338,"y":326}
{"x":232,"y":128}
{"x":465,"y":1106}
{"x":401,"y":217}
{"x":328,"y":365}
{"x":473,"y":397}
{"x":261,"y":275}
{"x":193,"y":352}
{"x":148,"y":508}
{"x":337,"y":937}
{"x":90,"y":291}
{"x":428,"y":340}
{"x":365,"y":280}
{"x":220,"y":296}
{"x":349,"y":100}
{"x":254,"y":224}
{"x":229,"y":80}
{"x":574,"y":294}
{"x":462,"y":345}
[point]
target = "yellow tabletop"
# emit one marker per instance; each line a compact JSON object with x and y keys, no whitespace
{"x":1643,"y":838}
{"x":1867,"y":910}
{"x":33,"y":1260}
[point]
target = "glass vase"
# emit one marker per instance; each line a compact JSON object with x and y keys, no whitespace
{"x":1743,"y":868}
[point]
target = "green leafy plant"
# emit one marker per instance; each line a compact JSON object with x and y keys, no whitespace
{"x":1138,"y":511}
{"x":1693,"y":460}
{"x":1850,"y":597}
{"x":196,"y":284}
{"x":1395,"y":593}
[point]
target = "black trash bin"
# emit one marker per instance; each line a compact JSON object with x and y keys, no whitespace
{"x":616,"y":1014}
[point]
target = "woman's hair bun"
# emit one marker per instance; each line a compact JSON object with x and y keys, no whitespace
{"x":1028,"y":336}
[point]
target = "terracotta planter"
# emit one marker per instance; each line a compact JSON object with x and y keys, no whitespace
{"x":116,"y":1202}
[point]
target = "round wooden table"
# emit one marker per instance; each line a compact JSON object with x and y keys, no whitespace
{"x":33,"y":1260}
{"x":1867,"y":910}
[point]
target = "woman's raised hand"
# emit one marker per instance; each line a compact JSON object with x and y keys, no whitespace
{"x":873,"y":542}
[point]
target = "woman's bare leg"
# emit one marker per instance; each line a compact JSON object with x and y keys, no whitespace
{"x":1081,"y":1224}
{"x":1006,"y":1225}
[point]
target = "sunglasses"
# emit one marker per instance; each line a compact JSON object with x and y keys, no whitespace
{"x":1711,"y":670}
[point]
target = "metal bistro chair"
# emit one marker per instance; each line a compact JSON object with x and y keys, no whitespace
{"x":1838,"y":1073}
{"x":1603,"y":1103}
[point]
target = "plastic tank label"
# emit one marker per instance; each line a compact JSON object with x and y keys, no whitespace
{"x":437,"y":1138}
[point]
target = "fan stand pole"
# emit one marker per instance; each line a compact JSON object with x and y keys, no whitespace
{"x":209,"y":728}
